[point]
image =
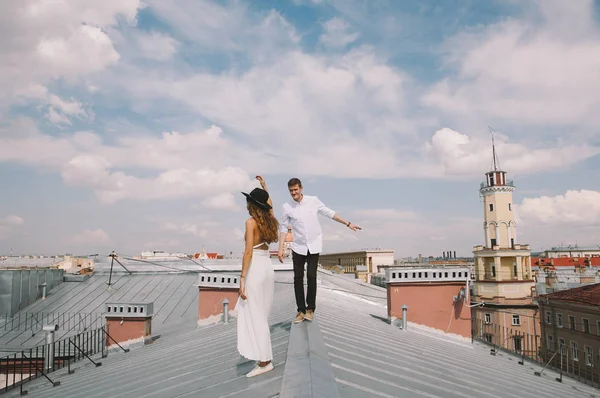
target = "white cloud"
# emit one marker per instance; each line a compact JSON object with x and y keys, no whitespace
{"x":111,"y":187}
{"x":12,"y":220}
{"x":574,"y":208}
{"x":155,"y":45}
{"x":451,"y":153}
{"x":8,"y":224}
{"x":94,"y":237}
{"x":47,"y":41}
{"x":387,"y":214}
{"x":525,"y":70}
{"x":337,"y":33}
{"x":225,"y":201}
{"x":161,"y":244}
{"x":230,"y":28}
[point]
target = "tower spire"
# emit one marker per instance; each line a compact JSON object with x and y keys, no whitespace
{"x":495,"y":157}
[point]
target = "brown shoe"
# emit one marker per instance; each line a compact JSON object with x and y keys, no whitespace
{"x":299,"y":318}
{"x":309,"y":315}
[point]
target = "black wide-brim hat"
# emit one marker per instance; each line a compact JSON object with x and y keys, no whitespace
{"x":259,"y":197}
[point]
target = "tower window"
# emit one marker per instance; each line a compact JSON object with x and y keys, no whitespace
{"x":509,"y":207}
{"x":491,"y":207}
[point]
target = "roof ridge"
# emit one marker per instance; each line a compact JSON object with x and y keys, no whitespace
{"x":308,"y":371}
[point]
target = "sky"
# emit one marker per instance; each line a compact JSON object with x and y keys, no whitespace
{"x":133,"y":125}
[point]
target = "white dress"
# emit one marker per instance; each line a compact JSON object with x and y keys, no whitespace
{"x":253,"y":332}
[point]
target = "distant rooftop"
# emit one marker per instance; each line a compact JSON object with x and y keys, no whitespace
{"x":586,"y":295}
{"x":575,"y":247}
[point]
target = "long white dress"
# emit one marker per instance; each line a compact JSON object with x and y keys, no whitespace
{"x":253,"y":333}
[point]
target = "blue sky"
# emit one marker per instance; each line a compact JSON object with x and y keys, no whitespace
{"x":131,"y":126}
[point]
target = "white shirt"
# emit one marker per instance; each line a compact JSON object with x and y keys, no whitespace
{"x":306,"y":229}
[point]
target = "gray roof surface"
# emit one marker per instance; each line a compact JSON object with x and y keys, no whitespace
{"x":368,"y":357}
{"x":174,"y":295}
{"x":372,"y":358}
{"x":185,"y":361}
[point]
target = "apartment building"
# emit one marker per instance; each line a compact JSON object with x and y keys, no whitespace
{"x":571,"y":330}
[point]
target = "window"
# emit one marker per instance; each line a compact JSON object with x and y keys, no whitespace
{"x":559,"y":321}
{"x":550,"y":341}
{"x":516,"y":320}
{"x":562,"y":346}
{"x":518,"y":343}
{"x":515,"y":271}
{"x":488,"y":337}
{"x":586,"y":325}
{"x":488,"y":318}
{"x":589,"y":360}
{"x":598,"y":328}
{"x":491,"y":207}
{"x":548,"y":317}
{"x":574,"y":350}
{"x":509,"y":207}
{"x":493,"y":270}
{"x":572,"y":322}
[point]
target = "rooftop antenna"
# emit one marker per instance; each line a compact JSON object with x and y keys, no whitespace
{"x":495,"y":157}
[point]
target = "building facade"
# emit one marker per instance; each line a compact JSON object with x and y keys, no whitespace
{"x":571,"y":331}
{"x":435,"y":297}
{"x":504,"y":313}
{"x":572,"y":251}
{"x":376,"y":260}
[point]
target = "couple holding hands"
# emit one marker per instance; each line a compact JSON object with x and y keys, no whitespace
{"x":257,"y":281}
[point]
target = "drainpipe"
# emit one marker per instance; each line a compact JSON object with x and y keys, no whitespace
{"x":404,"y":319}
{"x":49,"y":360}
{"x":225,"y":310}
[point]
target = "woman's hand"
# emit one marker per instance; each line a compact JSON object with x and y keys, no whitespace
{"x":243,"y":289}
{"x":263,"y":184}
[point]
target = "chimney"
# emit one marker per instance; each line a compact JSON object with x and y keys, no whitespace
{"x":433,"y":297}
{"x":128,"y":322}
{"x":213,"y":289}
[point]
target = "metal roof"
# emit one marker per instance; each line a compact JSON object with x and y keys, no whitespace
{"x":174,"y":295}
{"x":367,"y":356}
{"x":184,"y":361}
{"x":373,"y":358}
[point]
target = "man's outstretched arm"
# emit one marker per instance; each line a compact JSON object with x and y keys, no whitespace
{"x":327,"y":212}
{"x":339,"y":219}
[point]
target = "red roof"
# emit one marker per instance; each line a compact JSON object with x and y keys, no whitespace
{"x":566,"y":261}
{"x":588,"y":294}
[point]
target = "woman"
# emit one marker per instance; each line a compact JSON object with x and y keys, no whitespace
{"x":257,"y":282}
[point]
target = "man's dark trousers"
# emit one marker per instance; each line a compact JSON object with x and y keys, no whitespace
{"x":312,"y":260}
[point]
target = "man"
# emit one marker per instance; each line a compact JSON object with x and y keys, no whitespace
{"x":302,"y":214}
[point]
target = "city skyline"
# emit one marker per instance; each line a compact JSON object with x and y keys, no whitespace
{"x":133,"y":127}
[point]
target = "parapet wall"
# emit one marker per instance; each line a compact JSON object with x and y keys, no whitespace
{"x":21,"y":287}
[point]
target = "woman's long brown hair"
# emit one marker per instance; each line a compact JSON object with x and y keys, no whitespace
{"x":268,"y":226}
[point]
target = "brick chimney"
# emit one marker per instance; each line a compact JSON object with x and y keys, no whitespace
{"x":213,"y":288}
{"x":436,"y":297}
{"x":128,"y":322}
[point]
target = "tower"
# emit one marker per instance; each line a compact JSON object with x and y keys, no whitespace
{"x":504,"y":284}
